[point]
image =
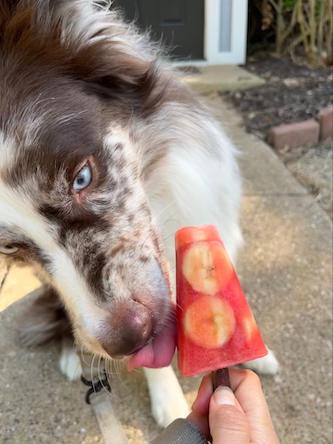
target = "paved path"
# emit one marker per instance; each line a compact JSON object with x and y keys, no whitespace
{"x":286,"y":270}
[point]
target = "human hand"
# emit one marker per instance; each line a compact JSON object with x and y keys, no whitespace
{"x":237,"y":416}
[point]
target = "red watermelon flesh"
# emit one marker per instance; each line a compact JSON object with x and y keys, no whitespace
{"x":216,"y":327}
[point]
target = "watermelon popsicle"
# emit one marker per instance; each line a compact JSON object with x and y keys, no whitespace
{"x":216,"y":327}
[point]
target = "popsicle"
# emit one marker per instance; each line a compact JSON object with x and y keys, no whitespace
{"x":216,"y":327}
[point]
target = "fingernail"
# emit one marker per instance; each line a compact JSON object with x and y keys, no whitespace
{"x":224,"y":396}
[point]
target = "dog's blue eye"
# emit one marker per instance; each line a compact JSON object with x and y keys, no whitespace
{"x":83,"y":179}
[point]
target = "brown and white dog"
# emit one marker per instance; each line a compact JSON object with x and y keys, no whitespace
{"x":103,"y":155}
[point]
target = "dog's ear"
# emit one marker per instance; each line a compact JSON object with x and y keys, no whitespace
{"x":111,"y":72}
{"x":87,"y":43}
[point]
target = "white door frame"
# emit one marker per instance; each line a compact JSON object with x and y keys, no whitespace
{"x":212,"y":29}
{"x":212,"y":53}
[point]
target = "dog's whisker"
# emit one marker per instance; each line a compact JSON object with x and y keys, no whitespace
{"x":82,"y":353}
{"x":91,"y":371}
{"x":108,"y":368}
{"x":117,"y":365}
{"x":113,"y":367}
{"x":99,"y":370}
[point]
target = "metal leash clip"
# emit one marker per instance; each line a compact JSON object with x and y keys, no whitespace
{"x":96,"y":386}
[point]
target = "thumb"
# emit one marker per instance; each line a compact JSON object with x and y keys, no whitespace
{"x":227,"y":421}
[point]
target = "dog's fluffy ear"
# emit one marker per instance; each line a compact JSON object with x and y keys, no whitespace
{"x":88,"y":43}
{"x":118,"y":63}
{"x":127,"y":80}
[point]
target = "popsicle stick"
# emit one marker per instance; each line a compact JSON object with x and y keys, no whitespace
{"x":221,"y":377}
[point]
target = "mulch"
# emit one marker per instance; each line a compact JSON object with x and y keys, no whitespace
{"x":292,"y":93}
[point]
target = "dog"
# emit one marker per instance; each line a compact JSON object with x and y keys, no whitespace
{"x":104,"y":153}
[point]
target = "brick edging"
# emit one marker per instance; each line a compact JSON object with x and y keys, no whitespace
{"x":307,"y":132}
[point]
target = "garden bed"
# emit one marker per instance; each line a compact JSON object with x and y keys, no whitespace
{"x":293,"y":93}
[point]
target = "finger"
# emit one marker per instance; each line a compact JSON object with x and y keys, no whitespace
{"x":248,"y":391}
{"x":228,"y":423}
{"x":201,"y":404}
{"x":200,"y":407}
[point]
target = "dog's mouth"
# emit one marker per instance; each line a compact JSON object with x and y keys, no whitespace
{"x":158,"y":352}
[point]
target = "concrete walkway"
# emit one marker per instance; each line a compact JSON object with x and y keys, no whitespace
{"x":220,"y":78}
{"x":286,"y":270}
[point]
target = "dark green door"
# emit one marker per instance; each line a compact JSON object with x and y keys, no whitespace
{"x":178,"y":23}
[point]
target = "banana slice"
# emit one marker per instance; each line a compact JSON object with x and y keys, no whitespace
{"x":250,"y":326}
{"x":209,"y":322}
{"x":206,"y":267}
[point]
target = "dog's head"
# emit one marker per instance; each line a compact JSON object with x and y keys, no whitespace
{"x":72,"y":200}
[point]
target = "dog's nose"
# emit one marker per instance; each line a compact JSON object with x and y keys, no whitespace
{"x":132,"y":327}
